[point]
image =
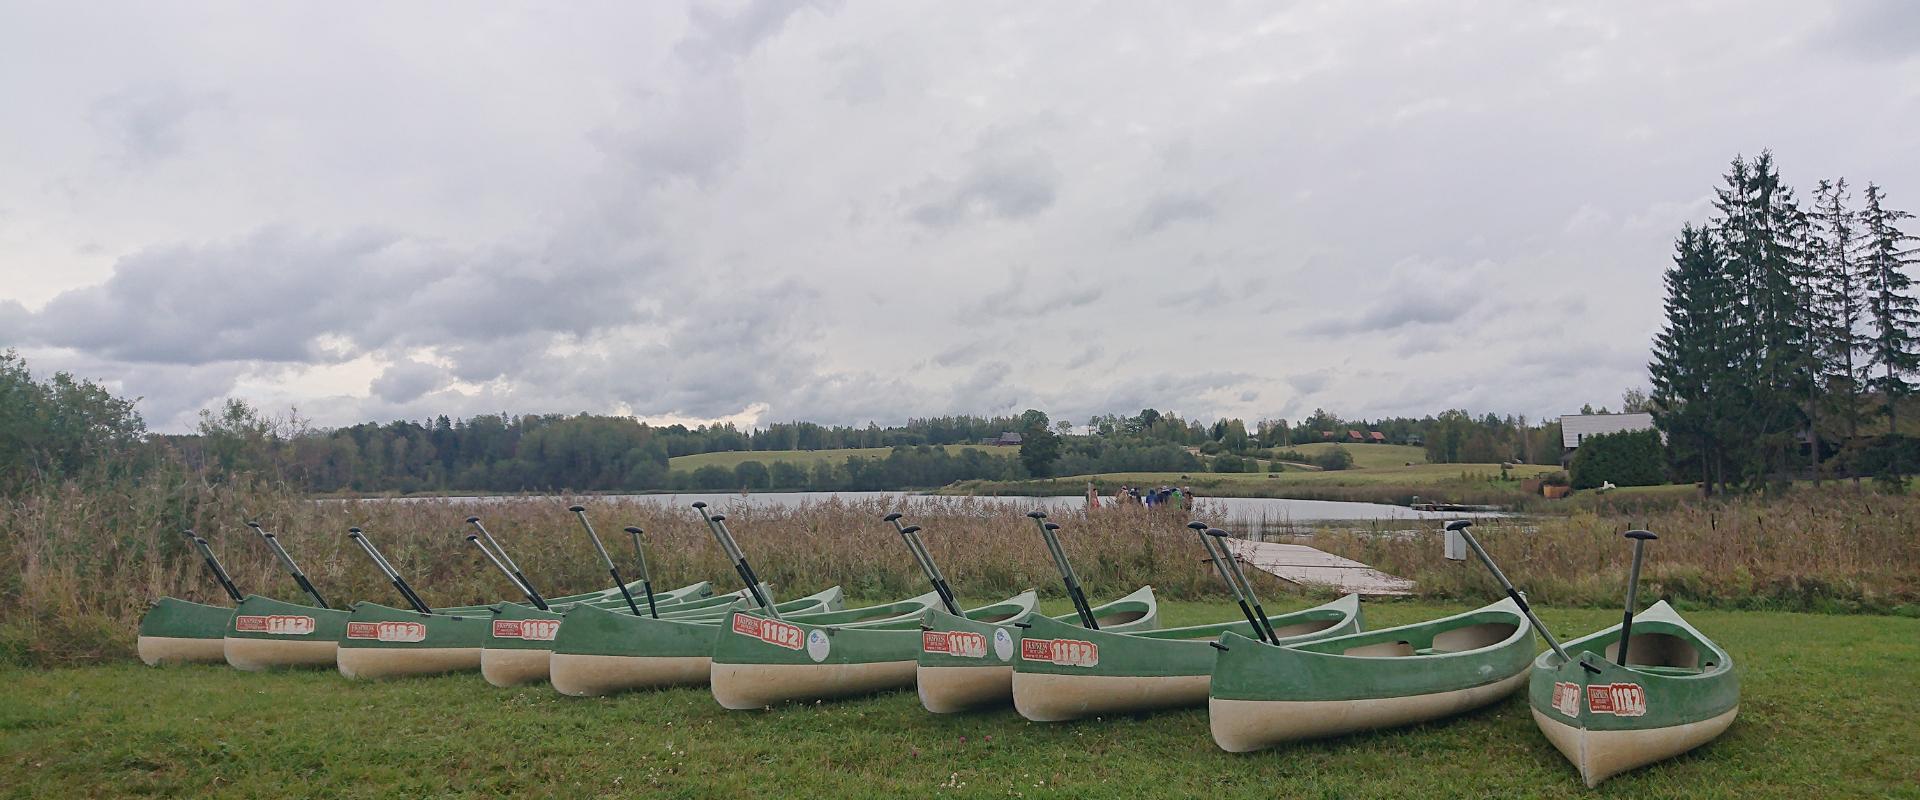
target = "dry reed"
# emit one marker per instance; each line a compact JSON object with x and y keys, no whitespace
{"x":78,"y":566}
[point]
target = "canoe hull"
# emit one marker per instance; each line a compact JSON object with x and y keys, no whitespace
{"x":181,"y":632}
{"x":1680,"y":690}
{"x":759,"y":662}
{"x":1043,"y":697}
{"x":950,"y":690}
{"x":510,"y":668}
{"x":157,"y":650}
{"x":748,"y":686}
{"x":579,"y":675}
{"x":256,"y":655}
{"x":1262,"y":695}
{"x":264,"y":633}
{"x":362,"y":663}
{"x":1241,"y":726}
{"x":387,"y":642}
{"x":1104,"y":672}
{"x":1600,"y":755}
{"x":949,"y":683}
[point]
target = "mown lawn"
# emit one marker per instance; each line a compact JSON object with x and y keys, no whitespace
{"x":1417,"y":474}
{"x":1368,"y":456}
{"x":1828,"y":710}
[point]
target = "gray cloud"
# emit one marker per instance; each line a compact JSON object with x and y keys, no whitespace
{"x":1169,"y":209}
{"x":764,"y":210}
{"x":147,"y":124}
{"x":993,"y":187}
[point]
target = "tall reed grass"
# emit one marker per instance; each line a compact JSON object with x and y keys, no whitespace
{"x":78,"y":566}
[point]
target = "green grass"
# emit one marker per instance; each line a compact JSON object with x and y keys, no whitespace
{"x":810,"y":457}
{"x":1368,"y":456}
{"x":1828,"y":710}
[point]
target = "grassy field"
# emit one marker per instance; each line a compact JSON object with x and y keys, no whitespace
{"x":1367,"y":456}
{"x":1827,"y":711}
{"x":810,"y":457}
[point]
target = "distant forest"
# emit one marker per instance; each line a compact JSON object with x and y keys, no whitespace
{"x":64,"y":426}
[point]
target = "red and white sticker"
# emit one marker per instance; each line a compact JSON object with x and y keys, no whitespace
{"x":532,"y":630}
{"x":954,"y":643}
{"x":275,"y":624}
{"x":387,"y":631}
{"x":1064,"y":652}
{"x":771,"y":631}
{"x":1618,"y":699}
{"x":1566,"y":698}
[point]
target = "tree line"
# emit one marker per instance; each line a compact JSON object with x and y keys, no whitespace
{"x":1790,"y":328}
{"x":60,"y":427}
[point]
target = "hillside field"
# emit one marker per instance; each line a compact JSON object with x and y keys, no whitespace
{"x":810,"y":457}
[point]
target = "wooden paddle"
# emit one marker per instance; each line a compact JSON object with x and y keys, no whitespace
{"x":718,"y":524}
{"x":1640,"y":539}
{"x":646,"y":579}
{"x":219,"y":572}
{"x":287,"y":562}
{"x":392,"y":574}
{"x":1074,"y":591}
{"x":612,"y":569}
{"x":911,"y":535}
{"x":1460,"y":527}
{"x":505,"y":563}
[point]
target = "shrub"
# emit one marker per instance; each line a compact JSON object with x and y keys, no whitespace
{"x":1628,"y":458}
{"x":1335,"y":458}
{"x":1231,"y":463}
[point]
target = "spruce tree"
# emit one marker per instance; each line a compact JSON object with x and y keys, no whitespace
{"x":1762,"y":231}
{"x":1893,"y":351}
{"x":1839,"y":299}
{"x":1695,"y":388}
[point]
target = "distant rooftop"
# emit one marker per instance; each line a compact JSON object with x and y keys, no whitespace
{"x":1575,"y":428}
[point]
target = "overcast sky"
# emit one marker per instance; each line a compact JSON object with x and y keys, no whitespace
{"x":872,"y":210}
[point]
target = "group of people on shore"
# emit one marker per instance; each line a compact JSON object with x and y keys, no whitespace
{"x":1175,"y":498}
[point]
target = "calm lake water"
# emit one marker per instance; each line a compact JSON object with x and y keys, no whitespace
{"x":1254,"y":514}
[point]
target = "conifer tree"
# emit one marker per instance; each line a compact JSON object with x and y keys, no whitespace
{"x":1893,"y":351}
{"x":1840,"y":301}
{"x":1695,"y":391}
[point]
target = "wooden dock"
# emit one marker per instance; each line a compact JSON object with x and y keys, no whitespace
{"x":1300,"y":564}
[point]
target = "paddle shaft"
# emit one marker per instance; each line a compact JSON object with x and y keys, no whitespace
{"x":613,"y":570}
{"x":475,"y":538}
{"x":213,"y":564}
{"x":292,"y":568}
{"x":1220,"y":563}
{"x":392,"y":574}
{"x":646,"y":578}
{"x":1633,"y":591}
{"x":911,"y":535}
{"x":1066,"y":571}
{"x":1518,"y":599}
{"x":718,"y":524}
{"x":512,"y":569}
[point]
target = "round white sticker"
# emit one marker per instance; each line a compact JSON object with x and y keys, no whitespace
{"x":1002,"y":644}
{"x":817,"y":644}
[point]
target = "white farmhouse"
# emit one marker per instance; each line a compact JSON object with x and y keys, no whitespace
{"x":1576,"y":428}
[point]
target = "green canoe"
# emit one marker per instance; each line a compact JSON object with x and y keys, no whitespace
{"x":386,"y":642}
{"x":263,"y":633}
{"x":599,"y":652}
{"x":759,"y":661}
{"x":1264,"y":695}
{"x":1063,"y":672}
{"x":519,"y":645}
{"x":967,"y":664}
{"x":1679,"y":691}
{"x":180,"y":632}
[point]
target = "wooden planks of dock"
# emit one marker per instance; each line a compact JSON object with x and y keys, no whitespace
{"x":1298,"y":563}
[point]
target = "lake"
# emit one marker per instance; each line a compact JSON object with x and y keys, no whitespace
{"x":1252,"y":514}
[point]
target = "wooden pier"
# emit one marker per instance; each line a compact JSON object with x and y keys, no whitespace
{"x":1300,"y":564}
